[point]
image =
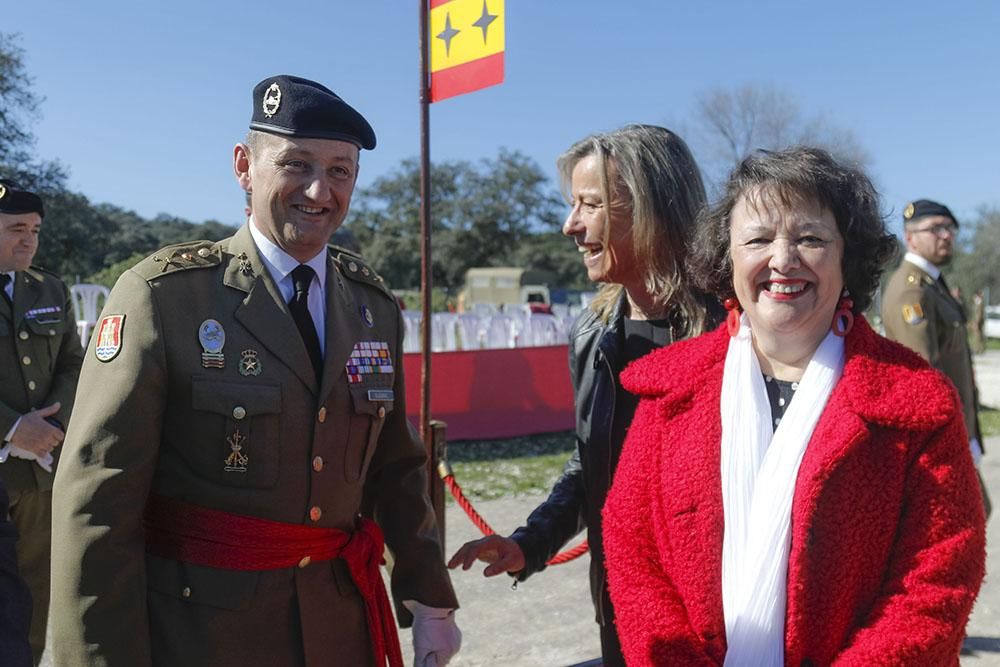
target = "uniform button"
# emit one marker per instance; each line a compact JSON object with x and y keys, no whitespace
{"x":186,"y":592}
{"x":318,"y":463}
{"x":187,"y":256}
{"x":204,"y":252}
{"x":23,"y":335}
{"x":315,"y":513}
{"x":52,"y":332}
{"x":321,"y":415}
{"x":31,"y":385}
{"x":239,"y":412}
{"x":381,"y":411}
{"x":365,"y":271}
{"x":353,"y":267}
{"x":26,"y":360}
{"x":305,"y":561}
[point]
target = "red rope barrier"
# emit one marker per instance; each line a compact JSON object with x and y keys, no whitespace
{"x":444,"y":469}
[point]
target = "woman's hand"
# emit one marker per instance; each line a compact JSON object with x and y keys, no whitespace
{"x":502,"y":553}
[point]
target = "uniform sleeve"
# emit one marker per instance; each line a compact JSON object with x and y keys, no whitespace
{"x":917,"y":329}
{"x":396,"y":496}
{"x":67,"y":369}
{"x":937,"y":564}
{"x":99,"y":613}
{"x":649,"y":614}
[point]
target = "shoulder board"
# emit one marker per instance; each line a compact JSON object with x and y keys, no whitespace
{"x":180,"y":257}
{"x":355,"y":268}
{"x":44,"y":271}
{"x":918,"y":279}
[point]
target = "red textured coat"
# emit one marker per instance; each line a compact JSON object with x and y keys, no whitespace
{"x":888,"y":542}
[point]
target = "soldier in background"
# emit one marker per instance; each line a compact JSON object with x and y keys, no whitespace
{"x":40,"y":358}
{"x":919,"y":310}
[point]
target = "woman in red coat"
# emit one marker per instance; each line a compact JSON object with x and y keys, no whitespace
{"x":794,"y":489}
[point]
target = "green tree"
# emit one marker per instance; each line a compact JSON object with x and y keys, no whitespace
{"x":976,"y":264}
{"x":482,"y":214}
{"x":19,"y":107}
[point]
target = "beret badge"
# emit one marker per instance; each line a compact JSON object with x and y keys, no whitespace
{"x":272,"y":100}
{"x":908,"y":211}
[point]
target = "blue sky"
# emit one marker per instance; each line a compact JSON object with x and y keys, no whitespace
{"x":144,"y":101}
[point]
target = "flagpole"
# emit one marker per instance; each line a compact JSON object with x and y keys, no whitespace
{"x":425,"y":232}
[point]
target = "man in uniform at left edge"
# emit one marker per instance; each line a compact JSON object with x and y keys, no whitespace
{"x":242,"y":444}
{"x":40,"y":358}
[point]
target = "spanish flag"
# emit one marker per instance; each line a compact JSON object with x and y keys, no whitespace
{"x":467,"y":44}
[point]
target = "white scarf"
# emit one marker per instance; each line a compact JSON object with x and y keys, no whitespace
{"x":759,"y":469}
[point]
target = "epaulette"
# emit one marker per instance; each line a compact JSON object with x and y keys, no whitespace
{"x":355,"y":268}
{"x":180,"y":257}
{"x":918,"y":278}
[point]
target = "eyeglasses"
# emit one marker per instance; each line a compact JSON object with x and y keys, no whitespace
{"x":940,"y":230}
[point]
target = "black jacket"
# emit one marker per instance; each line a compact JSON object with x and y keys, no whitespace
{"x":578,"y":495}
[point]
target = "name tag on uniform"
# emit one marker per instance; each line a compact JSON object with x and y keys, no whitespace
{"x":380,"y":395}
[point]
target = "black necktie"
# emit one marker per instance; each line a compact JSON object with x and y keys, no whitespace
{"x":302,"y":277}
{"x":4,"y":279}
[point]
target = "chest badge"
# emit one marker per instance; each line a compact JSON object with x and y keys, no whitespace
{"x":237,"y":460}
{"x":212,"y":337}
{"x":367,"y":317}
{"x":249,"y":363}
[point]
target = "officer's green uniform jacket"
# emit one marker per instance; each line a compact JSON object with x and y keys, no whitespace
{"x":40,"y":358}
{"x":918,"y":312}
{"x":154,"y":420}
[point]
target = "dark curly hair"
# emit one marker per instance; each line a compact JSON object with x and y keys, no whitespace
{"x":791,"y":176}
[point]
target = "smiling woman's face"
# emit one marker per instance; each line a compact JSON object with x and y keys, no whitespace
{"x":786,"y":267}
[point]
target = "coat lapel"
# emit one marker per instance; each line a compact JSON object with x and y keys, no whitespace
{"x":343,"y":326}
{"x":263,"y":312}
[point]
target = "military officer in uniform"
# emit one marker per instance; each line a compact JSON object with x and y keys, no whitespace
{"x":919,"y":311}
{"x":40,"y":358}
{"x":242,"y":445}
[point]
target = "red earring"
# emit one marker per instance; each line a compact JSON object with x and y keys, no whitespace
{"x":733,"y":318}
{"x":843,"y":319}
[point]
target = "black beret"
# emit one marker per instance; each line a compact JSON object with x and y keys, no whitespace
{"x":14,"y":201}
{"x":296,"y":107}
{"x":922,"y":208}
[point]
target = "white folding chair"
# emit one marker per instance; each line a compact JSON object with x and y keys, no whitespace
{"x":88,"y":301}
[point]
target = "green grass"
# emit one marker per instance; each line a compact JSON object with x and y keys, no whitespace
{"x":993,"y":343}
{"x":488,"y":469}
{"x":989,"y":421}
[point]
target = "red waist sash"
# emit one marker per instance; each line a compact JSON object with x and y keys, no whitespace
{"x":213,"y":538}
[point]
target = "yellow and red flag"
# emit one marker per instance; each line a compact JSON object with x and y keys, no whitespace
{"x":467,"y":45}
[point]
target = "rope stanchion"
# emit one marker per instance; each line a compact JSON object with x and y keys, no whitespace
{"x":448,"y":476}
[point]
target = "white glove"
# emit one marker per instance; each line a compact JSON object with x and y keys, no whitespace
{"x":45,"y":462}
{"x":436,"y":637}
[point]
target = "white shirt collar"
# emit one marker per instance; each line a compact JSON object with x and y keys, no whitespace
{"x":913,"y":258}
{"x":280,"y":264}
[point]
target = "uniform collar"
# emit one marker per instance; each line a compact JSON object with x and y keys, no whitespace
{"x":280,"y":264}
{"x":921,"y":263}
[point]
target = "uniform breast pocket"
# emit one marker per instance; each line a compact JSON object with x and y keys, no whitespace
{"x":50,"y":329}
{"x":364,"y":428}
{"x":237,"y":431}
